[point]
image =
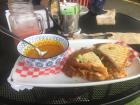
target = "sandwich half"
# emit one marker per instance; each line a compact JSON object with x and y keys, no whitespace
{"x":86,"y":64}
{"x":102,"y":62}
{"x":115,"y":58}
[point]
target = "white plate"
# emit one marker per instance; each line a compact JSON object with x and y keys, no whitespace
{"x":61,"y":80}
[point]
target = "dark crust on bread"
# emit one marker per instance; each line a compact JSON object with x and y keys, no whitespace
{"x":107,"y":59}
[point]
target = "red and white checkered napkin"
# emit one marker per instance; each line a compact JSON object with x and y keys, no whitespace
{"x":21,"y":71}
{"x":24,"y":70}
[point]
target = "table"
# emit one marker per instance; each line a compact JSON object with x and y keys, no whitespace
{"x":124,"y":23}
{"x":118,"y":93}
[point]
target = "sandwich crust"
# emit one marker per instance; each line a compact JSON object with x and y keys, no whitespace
{"x":115,"y":53}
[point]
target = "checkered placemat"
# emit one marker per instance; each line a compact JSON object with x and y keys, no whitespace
{"x":25,"y":70}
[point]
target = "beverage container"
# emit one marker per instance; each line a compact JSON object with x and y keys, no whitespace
{"x":69,"y":17}
{"x":23,"y":21}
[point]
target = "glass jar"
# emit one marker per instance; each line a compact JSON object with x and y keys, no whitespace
{"x":70,"y":17}
{"x":23,"y":21}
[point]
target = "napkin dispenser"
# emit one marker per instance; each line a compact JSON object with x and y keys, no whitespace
{"x":107,"y":18}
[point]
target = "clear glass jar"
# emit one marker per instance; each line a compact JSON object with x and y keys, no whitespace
{"x":23,"y":21}
{"x":70,"y":17}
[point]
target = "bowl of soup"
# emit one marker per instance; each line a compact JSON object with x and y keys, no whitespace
{"x":55,"y":45}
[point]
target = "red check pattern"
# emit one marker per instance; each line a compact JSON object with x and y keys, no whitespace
{"x":27,"y":71}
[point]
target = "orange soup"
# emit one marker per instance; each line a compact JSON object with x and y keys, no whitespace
{"x":51,"y":46}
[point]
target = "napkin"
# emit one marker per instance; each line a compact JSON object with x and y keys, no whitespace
{"x":107,"y":18}
{"x":21,"y":71}
{"x":17,"y":87}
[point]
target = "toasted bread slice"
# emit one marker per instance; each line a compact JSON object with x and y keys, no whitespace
{"x":86,"y":64}
{"x":115,"y":53}
{"x":92,"y":63}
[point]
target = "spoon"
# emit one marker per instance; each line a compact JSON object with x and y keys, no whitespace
{"x":8,"y":33}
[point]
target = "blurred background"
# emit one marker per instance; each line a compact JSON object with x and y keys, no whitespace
{"x":124,"y":6}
